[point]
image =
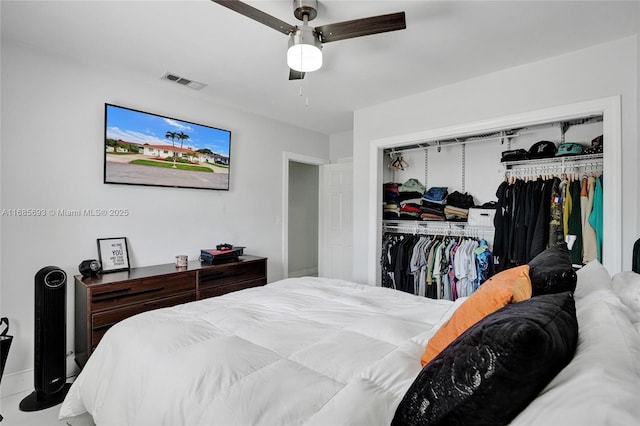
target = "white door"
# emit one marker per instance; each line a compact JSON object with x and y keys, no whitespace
{"x":336,"y":221}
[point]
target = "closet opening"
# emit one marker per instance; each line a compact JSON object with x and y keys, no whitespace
{"x":467,"y":159}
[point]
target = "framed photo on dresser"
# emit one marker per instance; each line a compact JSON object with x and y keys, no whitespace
{"x":113,"y":254}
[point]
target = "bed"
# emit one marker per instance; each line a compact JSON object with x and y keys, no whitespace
{"x":314,"y":351}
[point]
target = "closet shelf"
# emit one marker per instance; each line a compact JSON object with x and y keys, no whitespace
{"x":596,"y":158}
{"x":436,"y":227}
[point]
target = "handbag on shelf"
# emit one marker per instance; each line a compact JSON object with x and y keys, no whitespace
{"x":514,"y":155}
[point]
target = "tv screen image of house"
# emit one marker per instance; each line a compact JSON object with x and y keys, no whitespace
{"x":148,"y":149}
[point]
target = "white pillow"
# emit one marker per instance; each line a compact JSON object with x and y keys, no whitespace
{"x":627,"y":286}
{"x":592,"y":277}
{"x":602,"y":383}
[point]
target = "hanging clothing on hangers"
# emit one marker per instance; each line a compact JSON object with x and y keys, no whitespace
{"x":595,"y":217}
{"x":523,"y":220}
{"x":537,"y":214}
{"x":575,"y":222}
{"x":501,"y":224}
{"x":540,"y":237}
{"x":484,"y":263}
{"x":556,"y":229}
{"x":437,"y":267}
{"x":589,"y":246}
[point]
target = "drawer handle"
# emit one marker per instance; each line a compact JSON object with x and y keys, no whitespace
{"x":103,"y":326}
{"x":217,"y":275}
{"x":115,"y":294}
{"x":109,"y":293}
{"x":148,"y":290}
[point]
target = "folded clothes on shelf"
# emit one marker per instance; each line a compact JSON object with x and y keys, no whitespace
{"x":436,"y":194}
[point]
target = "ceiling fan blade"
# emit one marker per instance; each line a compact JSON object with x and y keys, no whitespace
{"x":257,"y":15}
{"x":361,"y":27}
{"x":296,"y":75}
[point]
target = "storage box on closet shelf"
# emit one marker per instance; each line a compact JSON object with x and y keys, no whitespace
{"x":481,"y":217}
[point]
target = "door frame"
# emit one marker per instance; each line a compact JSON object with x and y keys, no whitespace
{"x":609,"y":107}
{"x":288,"y":157}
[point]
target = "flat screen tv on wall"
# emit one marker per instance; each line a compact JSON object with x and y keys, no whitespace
{"x":141,"y":148}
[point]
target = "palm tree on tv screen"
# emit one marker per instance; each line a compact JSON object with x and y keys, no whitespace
{"x":172,"y":136}
{"x":183,"y":137}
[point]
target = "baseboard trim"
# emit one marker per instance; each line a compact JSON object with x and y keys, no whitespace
{"x":22,"y":381}
{"x":309,"y":272}
{"x":18,"y":382}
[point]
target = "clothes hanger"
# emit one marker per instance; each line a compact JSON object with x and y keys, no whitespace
{"x":399,"y":163}
{"x":391,"y":160}
{"x":395,"y":163}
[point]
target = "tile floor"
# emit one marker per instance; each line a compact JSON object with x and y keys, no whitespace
{"x":48,"y":417}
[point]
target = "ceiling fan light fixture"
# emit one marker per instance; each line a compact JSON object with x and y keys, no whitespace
{"x":305,"y":43}
{"x":305,"y":50}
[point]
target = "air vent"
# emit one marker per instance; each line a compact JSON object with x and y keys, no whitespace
{"x":183,"y":81}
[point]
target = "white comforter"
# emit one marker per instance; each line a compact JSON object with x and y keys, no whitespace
{"x":326,"y":352}
{"x":306,"y":351}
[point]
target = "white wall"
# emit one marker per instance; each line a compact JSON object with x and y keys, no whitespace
{"x":52,"y":158}
{"x":598,"y":72}
{"x":341,"y":146}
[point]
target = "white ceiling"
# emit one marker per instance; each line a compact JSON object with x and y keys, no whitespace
{"x":243,"y":62}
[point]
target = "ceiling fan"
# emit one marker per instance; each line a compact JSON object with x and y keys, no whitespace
{"x":305,"y":42}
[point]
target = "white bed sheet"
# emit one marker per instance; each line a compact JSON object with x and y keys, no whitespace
{"x":307,"y":351}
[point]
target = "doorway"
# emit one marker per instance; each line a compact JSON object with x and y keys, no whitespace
{"x":300,"y":215}
{"x":303,"y":219}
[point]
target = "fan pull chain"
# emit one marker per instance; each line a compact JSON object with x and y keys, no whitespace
{"x":306,"y":101}
{"x":304,"y":90}
{"x":301,"y":91}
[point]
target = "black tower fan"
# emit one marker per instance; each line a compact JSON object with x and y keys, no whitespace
{"x":50,"y":365}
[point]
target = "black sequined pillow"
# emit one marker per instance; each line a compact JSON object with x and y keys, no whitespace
{"x":551,"y":271}
{"x":496,"y":368}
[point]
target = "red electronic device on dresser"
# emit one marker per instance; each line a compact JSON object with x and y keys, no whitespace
{"x":222,"y":253}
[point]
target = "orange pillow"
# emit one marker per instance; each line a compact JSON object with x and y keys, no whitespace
{"x":509,"y":286}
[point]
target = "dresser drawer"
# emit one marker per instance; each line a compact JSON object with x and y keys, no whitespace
{"x":102,"y":321}
{"x":230,"y":274}
{"x":145,"y":289}
{"x":227,"y":288}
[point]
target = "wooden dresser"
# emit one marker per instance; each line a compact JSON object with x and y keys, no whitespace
{"x":102,"y":301}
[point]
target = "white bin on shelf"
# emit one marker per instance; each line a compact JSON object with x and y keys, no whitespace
{"x":481,"y":217}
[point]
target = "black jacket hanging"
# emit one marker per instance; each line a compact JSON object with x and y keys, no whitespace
{"x":540,"y":236}
{"x":575,"y":223}
{"x":501,"y":225}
